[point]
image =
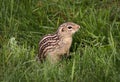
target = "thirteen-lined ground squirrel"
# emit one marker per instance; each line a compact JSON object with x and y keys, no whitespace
{"x":57,"y":44}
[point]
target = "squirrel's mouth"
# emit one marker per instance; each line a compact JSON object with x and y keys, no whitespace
{"x":77,"y":28}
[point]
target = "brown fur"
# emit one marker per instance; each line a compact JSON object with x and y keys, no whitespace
{"x":53,"y":46}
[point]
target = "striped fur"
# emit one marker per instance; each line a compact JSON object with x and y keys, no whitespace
{"x":58,"y":43}
{"x":47,"y":43}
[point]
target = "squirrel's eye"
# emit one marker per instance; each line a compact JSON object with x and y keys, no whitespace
{"x":69,"y":27}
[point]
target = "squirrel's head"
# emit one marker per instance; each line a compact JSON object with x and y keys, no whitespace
{"x":68,"y":29}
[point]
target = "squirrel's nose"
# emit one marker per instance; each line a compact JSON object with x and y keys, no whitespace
{"x":78,"y":26}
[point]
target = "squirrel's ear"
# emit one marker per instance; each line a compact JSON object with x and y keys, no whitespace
{"x":62,"y":29}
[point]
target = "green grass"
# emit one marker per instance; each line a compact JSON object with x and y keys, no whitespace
{"x":95,"y":50}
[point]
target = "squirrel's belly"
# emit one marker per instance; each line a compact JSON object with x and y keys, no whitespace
{"x":59,"y":50}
